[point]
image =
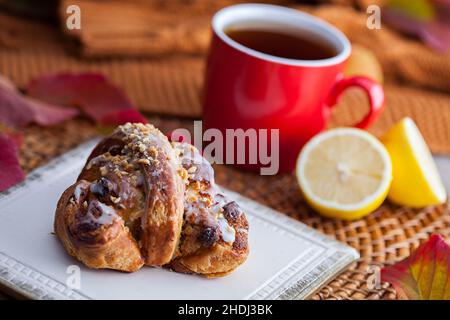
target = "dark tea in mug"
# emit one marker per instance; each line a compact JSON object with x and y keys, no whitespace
{"x":283,"y":44}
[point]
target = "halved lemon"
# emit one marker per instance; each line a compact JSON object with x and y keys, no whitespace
{"x":416,"y":180}
{"x":344,"y":173}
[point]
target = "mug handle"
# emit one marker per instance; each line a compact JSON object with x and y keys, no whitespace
{"x":374,"y":92}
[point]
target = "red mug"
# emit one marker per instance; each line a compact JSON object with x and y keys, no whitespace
{"x":248,"y":89}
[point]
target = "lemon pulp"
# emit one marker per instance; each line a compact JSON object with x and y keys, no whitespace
{"x":344,"y":173}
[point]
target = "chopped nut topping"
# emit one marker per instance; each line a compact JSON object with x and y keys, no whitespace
{"x":142,"y":147}
{"x":184,"y":174}
{"x":153,"y":152}
{"x":118,"y":172}
{"x":207,"y":201}
{"x":192,"y":198}
{"x":115,"y":199}
{"x":197,"y":185}
{"x":103,"y":171}
{"x":85,"y":204}
{"x":192,"y":169}
{"x":144,"y":161}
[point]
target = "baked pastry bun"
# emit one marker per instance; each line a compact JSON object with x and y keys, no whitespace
{"x":141,"y":200}
{"x":215,"y":230}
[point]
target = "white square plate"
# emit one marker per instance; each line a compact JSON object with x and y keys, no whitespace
{"x":288,"y":260}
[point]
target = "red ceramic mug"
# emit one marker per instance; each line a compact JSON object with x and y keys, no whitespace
{"x":248,"y":89}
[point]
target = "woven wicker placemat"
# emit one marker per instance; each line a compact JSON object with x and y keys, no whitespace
{"x":384,"y":237}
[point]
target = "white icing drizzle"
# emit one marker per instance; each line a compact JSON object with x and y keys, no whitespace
{"x":228,"y":232}
{"x":107,"y":217}
{"x":190,"y":206}
{"x":78,"y":190}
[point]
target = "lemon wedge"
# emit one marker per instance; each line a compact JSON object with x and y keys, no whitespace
{"x":344,"y":173}
{"x":416,"y":181}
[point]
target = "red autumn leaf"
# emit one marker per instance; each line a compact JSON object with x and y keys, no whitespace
{"x":18,"y":110}
{"x":425,"y":274}
{"x":10,"y":171}
{"x":91,"y":92}
{"x":119,"y":117}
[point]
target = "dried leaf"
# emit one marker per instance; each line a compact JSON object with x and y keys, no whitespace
{"x":91,"y":92}
{"x":10,"y":171}
{"x":425,"y":275}
{"x":18,"y":110}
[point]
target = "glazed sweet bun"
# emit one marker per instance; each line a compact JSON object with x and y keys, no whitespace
{"x":141,"y":200}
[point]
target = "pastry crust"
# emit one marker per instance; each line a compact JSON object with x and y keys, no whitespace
{"x":142,"y":200}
